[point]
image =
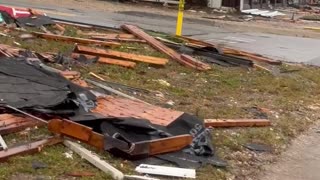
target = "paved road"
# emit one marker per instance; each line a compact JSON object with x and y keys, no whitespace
{"x":292,"y":49}
{"x":300,"y":162}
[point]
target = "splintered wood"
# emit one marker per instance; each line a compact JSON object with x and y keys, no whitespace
{"x":119,"y":107}
{"x":190,"y":62}
{"x":118,"y":54}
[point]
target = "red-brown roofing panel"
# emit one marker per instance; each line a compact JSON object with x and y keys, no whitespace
{"x":120,"y":107}
{"x":10,"y":123}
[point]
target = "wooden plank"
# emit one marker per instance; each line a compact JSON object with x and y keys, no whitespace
{"x":170,"y":144}
{"x":94,"y":159}
{"x":118,"y":54}
{"x":106,"y":60}
{"x":11,"y":123}
{"x":109,"y":35}
{"x":74,"y":130}
{"x":237,"y":122}
{"x":29,"y":148}
{"x":13,"y":128}
{"x":104,"y":38}
{"x":74,"y":39}
{"x":159,"y":46}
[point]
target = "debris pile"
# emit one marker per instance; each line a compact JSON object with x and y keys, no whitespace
{"x":34,"y":94}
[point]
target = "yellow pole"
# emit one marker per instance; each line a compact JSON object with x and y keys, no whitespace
{"x":180,"y":18}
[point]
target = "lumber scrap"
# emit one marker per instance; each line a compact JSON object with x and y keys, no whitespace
{"x":118,"y":54}
{"x":76,"y":131}
{"x":107,"y":60}
{"x":161,"y":47}
{"x":29,"y":148}
{"x":109,"y":35}
{"x":237,"y":122}
{"x":11,"y":123}
{"x":229,"y":51}
{"x":94,"y":159}
{"x":106,"y":38}
{"x":196,"y":63}
{"x":74,"y":39}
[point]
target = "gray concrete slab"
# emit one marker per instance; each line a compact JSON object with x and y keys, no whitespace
{"x":300,"y":162}
{"x":285,"y":48}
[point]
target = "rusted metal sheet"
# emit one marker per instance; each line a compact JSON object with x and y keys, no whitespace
{"x":29,"y":148}
{"x":74,"y":39}
{"x":122,"y":55}
{"x":237,"y":122}
{"x":119,"y":107}
{"x":160,"y":46}
{"x":10,"y":123}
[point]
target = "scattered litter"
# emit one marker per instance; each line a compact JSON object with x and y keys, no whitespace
{"x":171,"y":103}
{"x":264,"y":13}
{"x":68,"y":155}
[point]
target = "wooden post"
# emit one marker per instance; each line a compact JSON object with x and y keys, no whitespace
{"x":180,"y":18}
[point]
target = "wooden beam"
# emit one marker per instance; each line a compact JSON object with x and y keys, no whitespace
{"x":94,"y":159}
{"x":118,"y":54}
{"x":107,"y":60}
{"x":106,"y":38}
{"x":74,"y":39}
{"x":29,"y":148}
{"x":161,"y":47}
{"x":237,"y":122}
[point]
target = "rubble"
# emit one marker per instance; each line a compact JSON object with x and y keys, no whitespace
{"x":35,"y":94}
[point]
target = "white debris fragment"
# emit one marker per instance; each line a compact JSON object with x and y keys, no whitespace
{"x":68,"y":155}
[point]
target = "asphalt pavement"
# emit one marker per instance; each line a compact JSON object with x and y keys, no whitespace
{"x":284,"y":48}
